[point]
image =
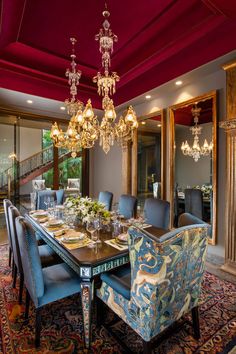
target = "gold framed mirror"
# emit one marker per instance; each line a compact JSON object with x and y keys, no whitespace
{"x":147,"y":157}
{"x":193,"y":158}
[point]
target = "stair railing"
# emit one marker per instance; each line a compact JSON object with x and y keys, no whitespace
{"x":30,"y":164}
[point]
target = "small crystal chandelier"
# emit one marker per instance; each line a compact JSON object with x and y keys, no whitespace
{"x":82,"y":131}
{"x":196,"y":151}
{"x":109,"y":131}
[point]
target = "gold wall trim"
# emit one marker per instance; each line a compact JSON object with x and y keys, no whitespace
{"x":230,"y":65}
{"x":210,"y":95}
{"x":130,"y":159}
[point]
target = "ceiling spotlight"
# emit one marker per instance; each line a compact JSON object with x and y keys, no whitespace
{"x":29,"y":101}
{"x":148,"y":97}
{"x":178,"y":83}
{"x":62,"y":108}
{"x":143,"y":122}
{"x":159,"y":125}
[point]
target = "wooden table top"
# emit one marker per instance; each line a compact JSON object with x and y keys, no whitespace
{"x":97,"y":255}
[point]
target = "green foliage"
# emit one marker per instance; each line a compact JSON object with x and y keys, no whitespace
{"x":46,"y":140}
{"x":70,"y":168}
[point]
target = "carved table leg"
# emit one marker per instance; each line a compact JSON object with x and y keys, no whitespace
{"x":86,"y":298}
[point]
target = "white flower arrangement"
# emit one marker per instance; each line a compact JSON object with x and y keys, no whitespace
{"x":88,"y":209}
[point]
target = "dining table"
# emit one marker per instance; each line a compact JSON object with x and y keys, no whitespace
{"x":88,"y":262}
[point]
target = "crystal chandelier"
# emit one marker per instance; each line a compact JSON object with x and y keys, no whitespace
{"x":110,"y":131}
{"x":196,"y":151}
{"x":82,"y":131}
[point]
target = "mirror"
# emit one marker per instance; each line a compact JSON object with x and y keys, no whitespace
{"x":147,"y":157}
{"x":193,"y":163}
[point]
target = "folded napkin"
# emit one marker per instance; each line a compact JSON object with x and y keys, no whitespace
{"x":84,"y":242}
{"x":116,"y":245}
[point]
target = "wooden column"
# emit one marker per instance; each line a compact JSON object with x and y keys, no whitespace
{"x":55,"y":168}
{"x":230,"y":208}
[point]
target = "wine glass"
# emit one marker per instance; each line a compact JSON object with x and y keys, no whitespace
{"x":90,"y":227}
{"x":98,"y":226}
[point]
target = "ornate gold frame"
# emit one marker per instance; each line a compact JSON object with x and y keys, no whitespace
{"x":130,"y":159}
{"x":171,"y":110}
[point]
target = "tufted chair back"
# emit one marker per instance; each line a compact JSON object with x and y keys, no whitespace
{"x":128,"y":206}
{"x":106,"y":198}
{"x":157,"y":212}
{"x":6,"y":204}
{"x":13,"y":213}
{"x":33,"y":276}
{"x":194,"y":202}
{"x":166,"y":276}
{"x":41,"y":195}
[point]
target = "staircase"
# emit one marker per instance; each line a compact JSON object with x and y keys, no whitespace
{"x":3,"y":195}
{"x":31,"y":168}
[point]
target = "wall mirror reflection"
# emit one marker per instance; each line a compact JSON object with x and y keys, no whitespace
{"x":193,"y":159}
{"x":149,"y":155}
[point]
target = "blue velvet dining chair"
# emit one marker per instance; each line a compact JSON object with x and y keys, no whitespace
{"x":194,"y":202}
{"x":189,"y":219}
{"x":127,"y":206}
{"x":44,"y":285}
{"x":6,"y":204}
{"x":157,"y":212}
{"x":47,"y":255}
{"x":162,"y":284}
{"x":106,"y":198}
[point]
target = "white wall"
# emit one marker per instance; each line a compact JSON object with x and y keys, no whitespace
{"x":106,"y":172}
{"x":107,"y":168}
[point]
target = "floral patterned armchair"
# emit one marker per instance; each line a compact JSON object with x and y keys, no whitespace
{"x":162,"y":283}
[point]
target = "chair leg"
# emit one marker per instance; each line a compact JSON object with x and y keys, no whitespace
{"x":100,"y":311}
{"x":27,"y":303}
{"x":37,"y":328}
{"x":14,"y":276}
{"x":196,"y":325}
{"x":10,"y":254}
{"x":12,"y":267}
{"x":147,"y":348}
{"x":21,"y":288}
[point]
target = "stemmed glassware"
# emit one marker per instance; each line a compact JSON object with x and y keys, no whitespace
{"x":91,"y":228}
{"x":98,"y":226}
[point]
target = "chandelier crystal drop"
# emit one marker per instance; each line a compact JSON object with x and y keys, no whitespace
{"x":196,"y":151}
{"x":84,"y":128}
{"x":110,"y":131}
{"x":82,"y":131}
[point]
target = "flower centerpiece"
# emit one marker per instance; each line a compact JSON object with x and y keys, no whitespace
{"x":87,"y":209}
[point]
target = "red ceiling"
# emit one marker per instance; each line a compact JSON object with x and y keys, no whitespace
{"x":157,"y":41}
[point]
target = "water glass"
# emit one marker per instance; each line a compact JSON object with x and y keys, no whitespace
{"x":116,"y":229}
